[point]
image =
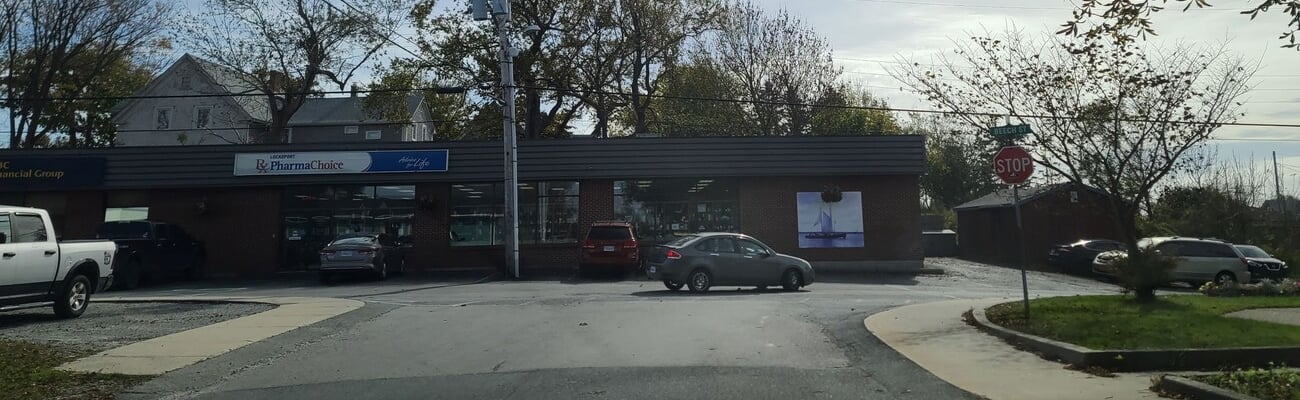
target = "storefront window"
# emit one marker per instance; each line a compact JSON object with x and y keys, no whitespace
{"x":663,"y":209}
{"x":315,"y":215}
{"x":548,"y":213}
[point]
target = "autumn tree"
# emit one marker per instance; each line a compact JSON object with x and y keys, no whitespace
{"x":289,"y":50}
{"x":1107,"y":114}
{"x":57,"y":51}
{"x":687,"y":108}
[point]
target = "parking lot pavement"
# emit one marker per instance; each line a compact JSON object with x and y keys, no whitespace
{"x":959,"y":271}
{"x":109,"y":325}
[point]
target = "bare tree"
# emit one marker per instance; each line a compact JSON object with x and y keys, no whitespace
{"x":287,"y":49}
{"x":64,"y":48}
{"x":1105,"y":114}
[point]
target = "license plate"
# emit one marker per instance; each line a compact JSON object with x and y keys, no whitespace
{"x":609,"y":249}
{"x":345,"y":254}
{"x":650,"y":270}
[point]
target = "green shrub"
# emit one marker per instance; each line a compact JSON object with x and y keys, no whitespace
{"x":1144,"y":273}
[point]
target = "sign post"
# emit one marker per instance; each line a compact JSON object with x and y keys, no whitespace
{"x":1014,"y":166}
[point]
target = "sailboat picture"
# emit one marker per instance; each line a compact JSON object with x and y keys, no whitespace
{"x":825,"y":224}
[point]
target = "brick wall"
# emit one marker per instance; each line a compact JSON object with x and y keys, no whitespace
{"x":990,"y":234}
{"x":83,"y":212}
{"x":891,"y":215}
{"x":240,"y":227}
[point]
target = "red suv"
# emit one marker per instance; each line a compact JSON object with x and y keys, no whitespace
{"x":610,"y":246}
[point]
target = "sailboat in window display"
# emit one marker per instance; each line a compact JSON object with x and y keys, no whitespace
{"x":828,"y":229}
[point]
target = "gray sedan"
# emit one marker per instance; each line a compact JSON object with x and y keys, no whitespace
{"x":703,"y":260}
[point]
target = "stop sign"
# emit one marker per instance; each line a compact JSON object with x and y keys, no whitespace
{"x":1013,"y":165}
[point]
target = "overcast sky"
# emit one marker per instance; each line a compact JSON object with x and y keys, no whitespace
{"x":869,"y":36}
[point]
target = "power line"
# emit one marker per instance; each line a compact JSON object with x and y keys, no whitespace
{"x":391,"y":30}
{"x":442,"y":90}
{"x":896,"y":62}
{"x":913,"y":110}
{"x":1004,"y":7}
{"x":990,"y":6}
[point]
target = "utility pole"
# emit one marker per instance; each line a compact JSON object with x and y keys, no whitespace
{"x":499,"y":12}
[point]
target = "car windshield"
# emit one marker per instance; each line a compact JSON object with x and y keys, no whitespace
{"x":609,"y":233}
{"x":123,"y":230}
{"x":354,"y":240}
{"x":1253,"y":252}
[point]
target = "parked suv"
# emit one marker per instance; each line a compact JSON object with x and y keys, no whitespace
{"x":610,"y":246}
{"x":1199,"y":260}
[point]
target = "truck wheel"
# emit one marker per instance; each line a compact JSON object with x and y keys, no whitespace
{"x":73,"y":298}
{"x":129,"y":277}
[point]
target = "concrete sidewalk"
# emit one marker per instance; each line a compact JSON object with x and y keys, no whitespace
{"x":160,"y":355}
{"x":933,"y":336}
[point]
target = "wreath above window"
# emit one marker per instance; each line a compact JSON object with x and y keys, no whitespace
{"x":832,"y":194}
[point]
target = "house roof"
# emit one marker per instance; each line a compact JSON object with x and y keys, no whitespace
{"x":256,"y":106}
{"x":343,"y":110}
{"x":1004,"y":197}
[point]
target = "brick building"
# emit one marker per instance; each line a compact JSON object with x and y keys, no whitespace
{"x":1051,"y":215}
{"x":262,"y":209}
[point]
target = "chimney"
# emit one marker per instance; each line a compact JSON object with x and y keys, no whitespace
{"x":355,"y":89}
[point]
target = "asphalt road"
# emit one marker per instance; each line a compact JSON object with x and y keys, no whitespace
{"x":592,"y":339}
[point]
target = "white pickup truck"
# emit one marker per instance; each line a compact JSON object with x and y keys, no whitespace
{"x":36,"y":270}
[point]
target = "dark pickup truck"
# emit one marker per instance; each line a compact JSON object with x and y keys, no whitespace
{"x":148,"y":250}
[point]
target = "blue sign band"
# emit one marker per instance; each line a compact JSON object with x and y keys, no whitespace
{"x":408,"y":161}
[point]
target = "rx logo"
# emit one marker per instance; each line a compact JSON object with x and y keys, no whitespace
{"x":262,"y":166}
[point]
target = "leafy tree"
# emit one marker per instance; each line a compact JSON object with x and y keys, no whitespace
{"x":1126,"y":20}
{"x":835,"y":114}
{"x":79,"y":48}
{"x":780,"y":62}
{"x":655,"y":33}
{"x":288,"y":49}
{"x":1105,"y":114}
{"x":957,"y":161}
{"x":677,"y":114}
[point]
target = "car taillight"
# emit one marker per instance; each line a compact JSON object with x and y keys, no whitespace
{"x":588,"y":245}
{"x":629,"y":245}
{"x":365,"y":251}
{"x":674,"y":255}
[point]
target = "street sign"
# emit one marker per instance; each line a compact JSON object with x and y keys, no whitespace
{"x":1010,"y":131}
{"x":1013,"y":165}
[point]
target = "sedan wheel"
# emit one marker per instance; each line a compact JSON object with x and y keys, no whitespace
{"x":673,"y":286}
{"x":700,"y":281}
{"x":792,"y":280}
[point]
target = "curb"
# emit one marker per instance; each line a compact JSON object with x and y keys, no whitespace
{"x":1197,"y":390}
{"x":1140,"y":360}
{"x":181,"y":349}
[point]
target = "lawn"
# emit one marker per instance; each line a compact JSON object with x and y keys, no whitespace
{"x":1172,"y":322}
{"x":27,"y":372}
{"x":1262,"y":384}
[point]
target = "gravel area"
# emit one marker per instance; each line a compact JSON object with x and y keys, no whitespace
{"x":109,"y":325}
{"x":959,"y":270}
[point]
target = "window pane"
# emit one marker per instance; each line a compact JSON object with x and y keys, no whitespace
{"x":750,"y":248}
{"x":4,"y":229}
{"x":726,"y":246}
{"x":477,"y":214}
{"x":126,"y":214}
{"x":663,"y":209}
{"x":28,"y":228}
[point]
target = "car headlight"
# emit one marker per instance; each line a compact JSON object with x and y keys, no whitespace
{"x":1254,"y":264}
